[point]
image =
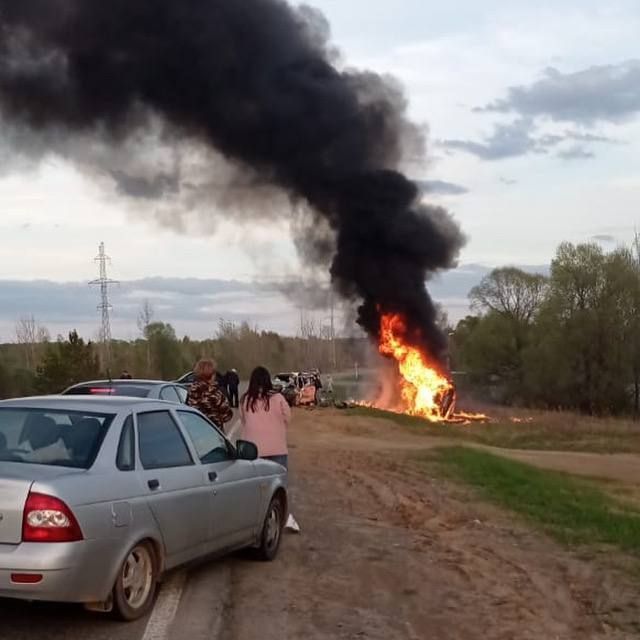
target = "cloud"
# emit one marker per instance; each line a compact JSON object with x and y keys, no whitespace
{"x":607,"y":93}
{"x":518,"y":138}
{"x":441,"y":187}
{"x":589,"y":137}
{"x":507,"y":181}
{"x":457,"y":283}
{"x":506,"y":141}
{"x":598,"y":94}
{"x":576,"y":152}
{"x":605,"y":238}
{"x":176,"y":299}
{"x":193,"y":306}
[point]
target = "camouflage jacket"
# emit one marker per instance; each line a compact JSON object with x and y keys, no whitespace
{"x":208,"y":398}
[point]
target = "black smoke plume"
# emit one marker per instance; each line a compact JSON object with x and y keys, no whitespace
{"x":257,"y":81}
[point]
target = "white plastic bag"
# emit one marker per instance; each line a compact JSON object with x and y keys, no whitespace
{"x":292,"y":525}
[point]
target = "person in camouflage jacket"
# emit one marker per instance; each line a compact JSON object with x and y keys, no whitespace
{"x":206,"y":396}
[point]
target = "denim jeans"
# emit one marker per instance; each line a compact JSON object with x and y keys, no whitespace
{"x":283,"y":460}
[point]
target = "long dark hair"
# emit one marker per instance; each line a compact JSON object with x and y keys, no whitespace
{"x":260,"y":388}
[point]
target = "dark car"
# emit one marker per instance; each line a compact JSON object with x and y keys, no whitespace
{"x":152,"y":389}
{"x":189,"y":378}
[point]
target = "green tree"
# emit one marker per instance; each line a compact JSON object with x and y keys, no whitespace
{"x":580,"y":356}
{"x":513,"y":294}
{"x":166,"y":355}
{"x":492,"y":346}
{"x":67,"y":362}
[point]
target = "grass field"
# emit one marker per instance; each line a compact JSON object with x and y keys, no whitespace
{"x":571,"y":509}
{"x":561,"y":431}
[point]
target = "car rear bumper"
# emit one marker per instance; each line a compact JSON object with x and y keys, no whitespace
{"x":71,"y":572}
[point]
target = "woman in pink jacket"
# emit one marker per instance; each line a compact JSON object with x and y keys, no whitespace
{"x":265,"y":417}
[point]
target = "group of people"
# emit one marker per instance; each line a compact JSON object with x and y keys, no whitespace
{"x":264,"y":413}
{"x":229,"y":383}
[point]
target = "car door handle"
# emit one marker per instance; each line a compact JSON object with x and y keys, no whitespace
{"x":153,"y":484}
{"x":213,"y":476}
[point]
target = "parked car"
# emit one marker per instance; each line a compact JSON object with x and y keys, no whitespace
{"x":99,"y":496}
{"x":189,"y":378}
{"x":153,"y":389}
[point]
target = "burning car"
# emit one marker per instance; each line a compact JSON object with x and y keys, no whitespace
{"x":298,"y":388}
{"x":424,"y":387}
{"x":286,"y":384}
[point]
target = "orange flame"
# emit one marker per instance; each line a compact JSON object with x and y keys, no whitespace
{"x":424,"y":389}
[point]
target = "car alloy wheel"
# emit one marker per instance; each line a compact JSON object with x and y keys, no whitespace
{"x":271,"y":534}
{"x":273,"y":528}
{"x":137,"y":576}
{"x":136,"y":584}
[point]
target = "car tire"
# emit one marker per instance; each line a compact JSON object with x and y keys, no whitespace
{"x":136,"y":585}
{"x":272,"y":528}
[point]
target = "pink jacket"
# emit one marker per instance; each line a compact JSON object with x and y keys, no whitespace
{"x":267,"y":429}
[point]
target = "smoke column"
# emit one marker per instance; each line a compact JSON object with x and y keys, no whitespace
{"x":256,"y":81}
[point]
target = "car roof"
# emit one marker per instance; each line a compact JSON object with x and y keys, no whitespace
{"x":120,"y":381}
{"x":106,"y":404}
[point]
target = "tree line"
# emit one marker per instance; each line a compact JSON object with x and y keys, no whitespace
{"x":35,"y":363}
{"x":567,"y":340}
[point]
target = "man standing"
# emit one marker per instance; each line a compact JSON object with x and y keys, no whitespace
{"x":317,"y":383}
{"x":206,"y":396}
{"x":221,"y":381}
{"x":233,"y":383}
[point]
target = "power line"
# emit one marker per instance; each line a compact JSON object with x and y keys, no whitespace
{"x":104,"y":307}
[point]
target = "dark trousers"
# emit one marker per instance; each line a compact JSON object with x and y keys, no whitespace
{"x":233,"y":397}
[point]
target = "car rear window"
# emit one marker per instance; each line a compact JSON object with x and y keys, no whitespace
{"x":112,"y":389}
{"x":52,"y":437}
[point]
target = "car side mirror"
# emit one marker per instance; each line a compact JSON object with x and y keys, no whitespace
{"x":246,"y":450}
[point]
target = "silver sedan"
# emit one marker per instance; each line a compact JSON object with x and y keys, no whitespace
{"x":100,"y":496}
{"x":152,"y":389}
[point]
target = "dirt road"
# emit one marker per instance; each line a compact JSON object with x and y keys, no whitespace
{"x":385,"y":553}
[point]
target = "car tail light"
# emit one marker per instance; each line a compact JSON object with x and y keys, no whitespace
{"x":101,"y":390}
{"x":26,"y":578}
{"x":49,"y":519}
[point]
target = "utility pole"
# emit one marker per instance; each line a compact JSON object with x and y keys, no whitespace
{"x":104,"y":307}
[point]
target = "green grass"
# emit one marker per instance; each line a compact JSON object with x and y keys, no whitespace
{"x":414,"y":422}
{"x":572,"y":510}
{"x":550,"y":431}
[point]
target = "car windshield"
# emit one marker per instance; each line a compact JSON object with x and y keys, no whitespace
{"x":135,"y":390}
{"x":58,"y":438}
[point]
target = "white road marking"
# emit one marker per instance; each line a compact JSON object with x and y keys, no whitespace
{"x":166,"y":608}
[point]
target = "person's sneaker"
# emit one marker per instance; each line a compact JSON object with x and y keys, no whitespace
{"x":292,"y":525}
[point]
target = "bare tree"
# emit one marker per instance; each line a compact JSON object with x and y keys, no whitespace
{"x":145,"y":319}
{"x":31,"y":335}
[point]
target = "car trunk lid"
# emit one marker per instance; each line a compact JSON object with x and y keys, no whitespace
{"x":16,"y":480}
{"x":13,"y":495}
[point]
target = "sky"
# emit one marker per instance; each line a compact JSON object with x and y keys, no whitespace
{"x":533,"y":119}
